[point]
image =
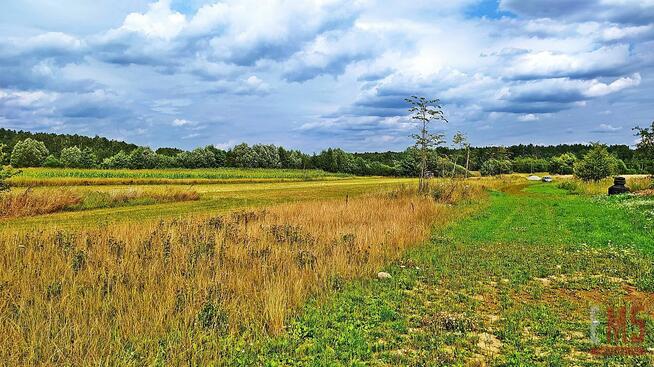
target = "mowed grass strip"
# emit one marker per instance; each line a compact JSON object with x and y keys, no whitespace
{"x":513,"y":285}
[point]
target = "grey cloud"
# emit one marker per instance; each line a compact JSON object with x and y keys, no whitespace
{"x":629,"y":12}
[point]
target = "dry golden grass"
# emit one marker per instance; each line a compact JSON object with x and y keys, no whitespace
{"x":176,"y":291}
{"x":28,"y":202}
{"x":635,"y":183}
{"x":31,"y":202}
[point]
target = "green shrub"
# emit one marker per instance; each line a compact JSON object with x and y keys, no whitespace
{"x":568,"y":185}
{"x":5,"y":173}
{"x":597,"y":164}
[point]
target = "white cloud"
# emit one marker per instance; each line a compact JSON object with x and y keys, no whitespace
{"x":556,"y":64}
{"x":615,"y":33}
{"x":158,"y":22}
{"x":529,"y":117}
{"x":182,"y":122}
{"x":607,"y":128}
{"x":26,"y":98}
{"x":598,"y":89}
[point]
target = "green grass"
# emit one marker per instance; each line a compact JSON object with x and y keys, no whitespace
{"x":520,"y":275}
{"x":71,"y":176}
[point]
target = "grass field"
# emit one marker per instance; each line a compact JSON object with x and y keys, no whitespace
{"x":214,"y":199}
{"x":77,"y":177}
{"x":513,"y":285}
{"x":284,"y":273}
{"x":198,"y":283}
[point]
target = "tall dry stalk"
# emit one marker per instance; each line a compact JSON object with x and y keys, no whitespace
{"x":32,"y":202}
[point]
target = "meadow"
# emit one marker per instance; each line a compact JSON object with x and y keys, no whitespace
{"x":484,"y":271}
{"x":115,"y":294}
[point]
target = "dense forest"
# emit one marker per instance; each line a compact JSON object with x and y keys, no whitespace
{"x":102,"y":147}
{"x":26,"y":149}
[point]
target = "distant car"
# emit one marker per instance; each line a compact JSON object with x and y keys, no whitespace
{"x":547,"y":179}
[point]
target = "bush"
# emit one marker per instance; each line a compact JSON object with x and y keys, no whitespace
{"x":28,"y":153}
{"x":493,"y":167}
{"x":5,"y":173}
{"x":597,"y":164}
{"x":3,"y":155}
{"x":568,"y":185}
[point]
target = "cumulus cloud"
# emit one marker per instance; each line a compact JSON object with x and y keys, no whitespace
{"x":330,"y":53}
{"x":606,"y":60}
{"x":158,"y":22}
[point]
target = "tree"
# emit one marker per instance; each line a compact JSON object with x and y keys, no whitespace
{"x":294,"y":160}
{"x":530,"y":165}
{"x":119,"y":160}
{"x":493,"y":167}
{"x":241,"y":156}
{"x":266,"y":156}
{"x":197,"y":158}
{"x":88,"y":158}
{"x":171,"y":152}
{"x":645,"y":146}
{"x":71,"y":157}
{"x":3,"y":155}
{"x":143,"y":158}
{"x":563,"y":164}
{"x":28,"y":153}
{"x":423,"y":111}
{"x":597,"y":164}
{"x":219,"y":155}
{"x":460,"y":140}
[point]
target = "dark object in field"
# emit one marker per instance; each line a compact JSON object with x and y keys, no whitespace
{"x":618,"y":186}
{"x":547,"y":179}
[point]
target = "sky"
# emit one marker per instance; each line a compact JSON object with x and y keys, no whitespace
{"x":327,"y":73}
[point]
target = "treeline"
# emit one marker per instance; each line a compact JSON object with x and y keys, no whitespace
{"x":34,"y":153}
{"x":527,"y":158}
{"x":55,"y":143}
{"x":85,"y":152}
